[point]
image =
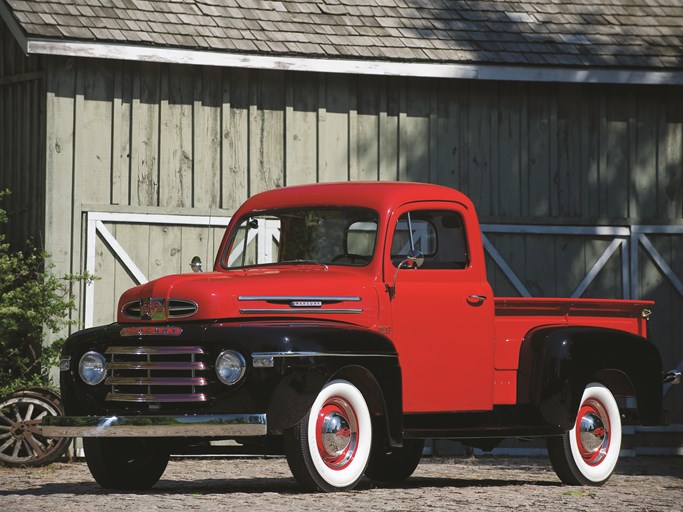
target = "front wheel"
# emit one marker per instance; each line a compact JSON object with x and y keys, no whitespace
{"x":125,"y":463}
{"x":328,"y":450}
{"x":588,"y":453}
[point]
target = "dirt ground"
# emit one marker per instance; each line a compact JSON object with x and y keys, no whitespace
{"x":231,"y":484}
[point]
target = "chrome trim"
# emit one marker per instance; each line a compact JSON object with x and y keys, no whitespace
{"x":673,"y":377}
{"x":206,"y":425}
{"x":317,"y":311}
{"x":289,"y":298}
{"x":156,"y":381}
{"x":131,"y":365}
{"x":264,"y":355}
{"x":157,"y":398}
{"x":176,"y":304}
{"x":143,"y":351}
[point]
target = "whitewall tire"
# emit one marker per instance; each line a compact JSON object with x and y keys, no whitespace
{"x":330,"y":447}
{"x":588,"y":453}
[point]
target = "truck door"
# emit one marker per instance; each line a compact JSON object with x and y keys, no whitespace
{"x":442,"y":311}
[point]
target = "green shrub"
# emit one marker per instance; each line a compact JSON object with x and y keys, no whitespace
{"x":34,"y":304}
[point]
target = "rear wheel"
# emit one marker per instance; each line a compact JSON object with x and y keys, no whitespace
{"x":587,"y":454}
{"x":396,"y":465}
{"x":125,"y":463}
{"x":328,"y":450}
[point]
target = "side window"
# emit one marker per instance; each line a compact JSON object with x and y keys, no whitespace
{"x":438,"y":234}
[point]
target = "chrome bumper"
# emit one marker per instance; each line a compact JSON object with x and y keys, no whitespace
{"x":207,"y":425}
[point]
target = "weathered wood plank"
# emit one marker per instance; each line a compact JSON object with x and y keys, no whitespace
{"x":333,"y":128}
{"x":670,"y":169}
{"x":367,"y":130}
{"x":448,"y":134}
{"x":93,"y":137}
{"x":59,"y":162}
{"x":144,"y":149}
{"x":643,"y":172}
{"x":176,"y":137}
{"x":387,"y":130}
{"x":480,"y":146}
{"x":567,"y":185}
{"x":301,"y":129}
{"x":509,"y":144}
{"x":235,"y":138}
{"x":538,"y":143}
{"x":415,"y":130}
{"x":266,"y":132}
{"x":615,"y":178}
{"x":208,"y":96}
{"x":165,"y":250}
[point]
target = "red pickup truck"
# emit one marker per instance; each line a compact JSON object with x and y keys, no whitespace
{"x":342,"y":325}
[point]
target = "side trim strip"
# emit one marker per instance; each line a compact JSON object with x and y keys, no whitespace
{"x":290,"y":298}
{"x":316,"y":354}
{"x":301,"y":311}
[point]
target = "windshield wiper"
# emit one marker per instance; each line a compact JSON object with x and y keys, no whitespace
{"x":304,"y":262}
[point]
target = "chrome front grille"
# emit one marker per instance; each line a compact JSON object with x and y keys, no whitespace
{"x":156,"y":374}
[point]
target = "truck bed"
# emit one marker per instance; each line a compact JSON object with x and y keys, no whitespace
{"x":515,"y":316}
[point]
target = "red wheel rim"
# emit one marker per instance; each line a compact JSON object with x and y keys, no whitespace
{"x":592,"y":432}
{"x":336,"y":433}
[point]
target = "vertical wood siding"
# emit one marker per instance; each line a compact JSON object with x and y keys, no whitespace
{"x":152,"y":136}
{"x":22,"y":109}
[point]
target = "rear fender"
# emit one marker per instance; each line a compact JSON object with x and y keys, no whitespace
{"x":556,"y":364}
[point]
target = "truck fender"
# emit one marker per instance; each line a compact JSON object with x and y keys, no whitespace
{"x":316,"y":356}
{"x":557,"y":362}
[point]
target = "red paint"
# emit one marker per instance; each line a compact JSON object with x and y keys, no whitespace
{"x":458,"y":346}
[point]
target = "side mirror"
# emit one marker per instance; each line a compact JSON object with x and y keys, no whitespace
{"x":413,"y":261}
{"x":196,"y":264}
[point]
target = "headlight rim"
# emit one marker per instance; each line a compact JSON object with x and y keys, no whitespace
{"x":103,"y":360}
{"x":243,"y":367}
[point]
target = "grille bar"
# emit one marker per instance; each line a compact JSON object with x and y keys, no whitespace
{"x":190,"y":366}
{"x":156,"y":398}
{"x":154,"y":350}
{"x":156,"y":374}
{"x":159,"y":381}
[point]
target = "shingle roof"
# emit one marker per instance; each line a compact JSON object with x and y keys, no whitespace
{"x":645,"y":34}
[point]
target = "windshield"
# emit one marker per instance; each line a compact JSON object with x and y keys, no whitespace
{"x":323,"y":236}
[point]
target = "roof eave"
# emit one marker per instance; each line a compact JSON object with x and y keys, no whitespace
{"x":597,"y":75}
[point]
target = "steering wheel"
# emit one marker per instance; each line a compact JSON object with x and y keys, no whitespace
{"x":351,"y":257}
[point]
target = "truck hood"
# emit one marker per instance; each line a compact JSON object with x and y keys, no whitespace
{"x":308,"y":291}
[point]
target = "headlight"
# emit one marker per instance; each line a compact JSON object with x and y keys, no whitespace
{"x":91,"y":368}
{"x":230,"y":367}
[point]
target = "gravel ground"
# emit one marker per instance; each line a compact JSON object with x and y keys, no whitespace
{"x":484,"y":483}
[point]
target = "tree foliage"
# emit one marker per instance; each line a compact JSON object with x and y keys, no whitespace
{"x":35,"y":305}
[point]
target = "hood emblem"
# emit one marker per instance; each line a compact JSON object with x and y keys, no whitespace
{"x":153,"y":309}
{"x":306,"y":304}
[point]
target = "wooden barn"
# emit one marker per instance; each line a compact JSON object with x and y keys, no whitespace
{"x":130,"y":130}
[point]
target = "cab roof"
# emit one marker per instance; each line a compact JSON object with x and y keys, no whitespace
{"x":378,"y":195}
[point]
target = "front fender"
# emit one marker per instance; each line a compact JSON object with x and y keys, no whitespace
{"x":297,"y":360}
{"x":556,"y":364}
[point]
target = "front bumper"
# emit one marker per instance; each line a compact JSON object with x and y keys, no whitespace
{"x":200,"y":425}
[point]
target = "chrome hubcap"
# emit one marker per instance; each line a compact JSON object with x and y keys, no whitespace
{"x":337,"y":433}
{"x":593,"y":432}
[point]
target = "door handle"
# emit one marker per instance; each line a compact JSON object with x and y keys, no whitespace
{"x":476,"y":300}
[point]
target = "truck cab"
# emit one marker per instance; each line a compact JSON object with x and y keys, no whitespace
{"x":342,"y":325}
